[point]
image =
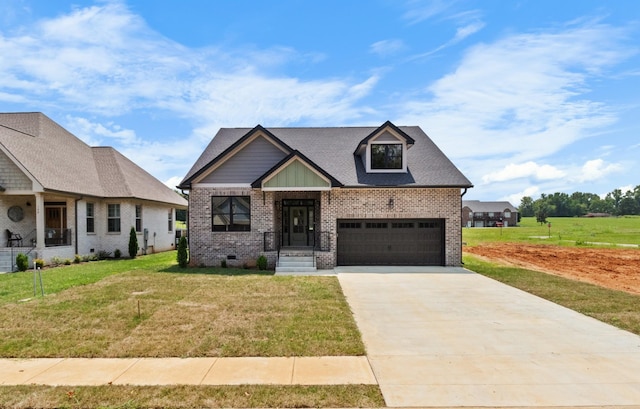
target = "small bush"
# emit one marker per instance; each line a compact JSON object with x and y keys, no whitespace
{"x":39,"y":262}
{"x":261,"y":262}
{"x":77,"y":259}
{"x":223,"y":263}
{"x":67,"y":261}
{"x":22,"y":261}
{"x":183,"y":257}
{"x":56,"y":261}
{"x":117,"y":253}
{"x":102,"y":255}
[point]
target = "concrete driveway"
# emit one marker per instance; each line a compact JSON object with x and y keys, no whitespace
{"x":449,"y":337}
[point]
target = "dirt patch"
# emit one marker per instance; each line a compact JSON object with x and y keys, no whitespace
{"x":618,"y":269}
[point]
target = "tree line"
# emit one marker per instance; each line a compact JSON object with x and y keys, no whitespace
{"x":559,"y":204}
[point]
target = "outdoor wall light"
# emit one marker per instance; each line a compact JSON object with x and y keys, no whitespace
{"x":390,"y":204}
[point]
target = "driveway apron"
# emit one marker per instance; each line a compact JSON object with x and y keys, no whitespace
{"x":450,"y":337}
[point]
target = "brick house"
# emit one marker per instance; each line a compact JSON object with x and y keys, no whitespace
{"x":60,"y":197}
{"x":488,"y":214}
{"x":345,"y":195}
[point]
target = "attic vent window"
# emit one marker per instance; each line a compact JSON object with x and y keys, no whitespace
{"x":386,"y":156}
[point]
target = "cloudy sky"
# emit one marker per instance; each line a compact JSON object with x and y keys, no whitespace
{"x":525,"y":96}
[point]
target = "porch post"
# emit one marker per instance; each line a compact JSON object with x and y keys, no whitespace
{"x":39,"y":221}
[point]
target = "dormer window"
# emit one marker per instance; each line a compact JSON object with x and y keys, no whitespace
{"x":385,"y":150}
{"x":386,"y":156}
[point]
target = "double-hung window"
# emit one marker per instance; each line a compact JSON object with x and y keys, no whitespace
{"x":139,"y":218}
{"x":170,"y":220}
{"x":231,"y":213}
{"x":90,"y":218}
{"x":113,"y":218}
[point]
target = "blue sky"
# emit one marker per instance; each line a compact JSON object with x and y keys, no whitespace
{"x":525,"y":97}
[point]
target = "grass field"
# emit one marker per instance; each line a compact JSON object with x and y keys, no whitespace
{"x":149,"y":307}
{"x":563,"y":231}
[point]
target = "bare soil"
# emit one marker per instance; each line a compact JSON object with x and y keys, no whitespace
{"x":618,"y":269}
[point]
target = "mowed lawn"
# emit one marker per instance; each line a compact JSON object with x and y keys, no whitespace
{"x":566,"y":231}
{"x":150,"y":308}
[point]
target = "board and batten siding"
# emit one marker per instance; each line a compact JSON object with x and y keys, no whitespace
{"x":297,"y":175}
{"x":248,"y":164}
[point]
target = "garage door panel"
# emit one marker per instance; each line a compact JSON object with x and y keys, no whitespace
{"x":391,"y":242}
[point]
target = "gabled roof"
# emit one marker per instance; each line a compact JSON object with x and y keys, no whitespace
{"x":59,"y":161}
{"x":305,"y":160}
{"x":408,"y":140}
{"x":478,"y":206}
{"x":332,"y":150}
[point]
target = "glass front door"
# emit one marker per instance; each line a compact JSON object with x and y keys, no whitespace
{"x":298,"y":223}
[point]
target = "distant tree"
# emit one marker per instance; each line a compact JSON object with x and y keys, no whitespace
{"x":526,"y":207}
{"x":133,"y":243}
{"x":628,"y":205}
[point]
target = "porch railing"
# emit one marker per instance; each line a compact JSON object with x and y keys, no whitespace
{"x":57,"y":237}
{"x":273,"y":241}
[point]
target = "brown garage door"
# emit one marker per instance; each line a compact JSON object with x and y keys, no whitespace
{"x":417,"y":242}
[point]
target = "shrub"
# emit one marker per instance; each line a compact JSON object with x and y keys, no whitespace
{"x":39,"y":262}
{"x":117,"y":253}
{"x":133,"y":243}
{"x":22,"y":261}
{"x":223,"y":263}
{"x":102,"y":254}
{"x":67,"y":261}
{"x":56,"y":261}
{"x":183,"y":256}
{"x":261,"y":262}
{"x":77,"y":259}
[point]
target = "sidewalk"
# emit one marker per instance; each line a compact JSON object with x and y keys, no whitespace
{"x":187,"y":371}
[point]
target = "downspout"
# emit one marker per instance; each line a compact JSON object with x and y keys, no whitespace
{"x":463,"y":193}
{"x":187,"y":221}
{"x":76,"y":222}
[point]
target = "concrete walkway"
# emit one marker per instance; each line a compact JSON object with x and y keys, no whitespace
{"x":187,"y":371}
{"x":450,"y":337}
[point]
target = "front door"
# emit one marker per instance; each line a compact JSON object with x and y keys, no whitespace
{"x":299,"y":225}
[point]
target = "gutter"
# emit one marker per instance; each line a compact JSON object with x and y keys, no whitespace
{"x":463,"y":193}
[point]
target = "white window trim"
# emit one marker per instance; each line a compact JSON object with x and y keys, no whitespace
{"x":404,"y":157}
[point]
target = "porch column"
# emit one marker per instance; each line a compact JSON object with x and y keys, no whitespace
{"x":40,"y":221}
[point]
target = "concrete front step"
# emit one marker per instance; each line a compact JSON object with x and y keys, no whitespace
{"x":301,"y":264}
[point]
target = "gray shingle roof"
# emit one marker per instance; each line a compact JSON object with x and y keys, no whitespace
{"x":478,"y":206}
{"x":332,"y":149}
{"x":59,"y":161}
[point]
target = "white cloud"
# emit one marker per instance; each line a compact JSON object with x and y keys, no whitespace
{"x":524,"y":95}
{"x":95,"y":134}
{"x":524,"y":170}
{"x":597,"y":169}
{"x":173,"y":181}
{"x":516,"y":198}
{"x":386,"y":48}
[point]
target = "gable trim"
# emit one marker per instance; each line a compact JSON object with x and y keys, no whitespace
{"x":296,"y":155}
{"x":397,"y":132}
{"x":236,"y":147}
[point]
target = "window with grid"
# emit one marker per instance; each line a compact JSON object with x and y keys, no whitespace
{"x":90,"y":218}
{"x":113,"y":218}
{"x":231,"y":213}
{"x":139,"y":218}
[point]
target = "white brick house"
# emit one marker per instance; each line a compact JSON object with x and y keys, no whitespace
{"x":349,"y":196}
{"x":60,"y":197}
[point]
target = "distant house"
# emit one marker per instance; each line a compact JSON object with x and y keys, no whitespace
{"x":488,"y":214}
{"x":60,"y":197}
{"x":341,"y":195}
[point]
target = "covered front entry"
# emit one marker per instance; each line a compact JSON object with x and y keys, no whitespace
{"x":298,"y":222}
{"x":418,"y":242}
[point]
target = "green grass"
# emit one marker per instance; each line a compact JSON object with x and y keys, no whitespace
{"x":149,"y":307}
{"x":617,"y":308}
{"x":564,"y":231}
{"x":150,"y":397}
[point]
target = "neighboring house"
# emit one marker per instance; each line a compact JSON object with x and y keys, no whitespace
{"x":488,"y":214}
{"x":345,"y":195}
{"x":62,"y":197}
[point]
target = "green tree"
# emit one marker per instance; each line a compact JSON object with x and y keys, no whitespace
{"x":133,"y":243}
{"x":183,"y":256}
{"x":526,"y":207}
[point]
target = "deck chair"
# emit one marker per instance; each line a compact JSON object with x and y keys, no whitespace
{"x":13,"y":238}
